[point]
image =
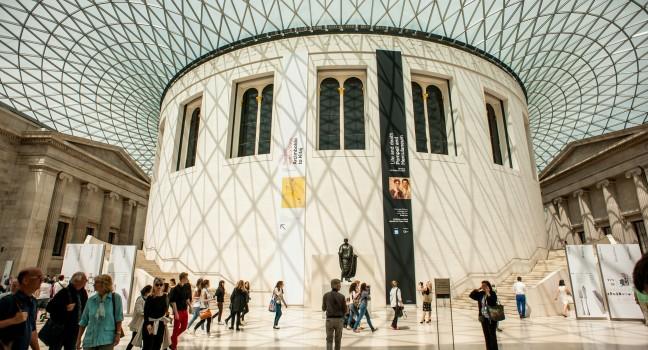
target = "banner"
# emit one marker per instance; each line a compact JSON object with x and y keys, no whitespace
{"x":86,"y":258}
{"x":7,"y":270}
{"x":396,"y":183}
{"x":290,"y":180}
{"x":586,"y":284}
{"x":121,"y":265}
{"x":617,"y":262}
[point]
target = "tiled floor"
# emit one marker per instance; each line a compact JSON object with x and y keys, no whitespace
{"x":303,"y":329}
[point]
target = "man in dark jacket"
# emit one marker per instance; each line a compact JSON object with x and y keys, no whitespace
{"x":335,"y":306}
{"x":18,"y":313}
{"x":66,"y":308}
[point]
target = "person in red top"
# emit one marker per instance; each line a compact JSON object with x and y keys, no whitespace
{"x":180,"y":300}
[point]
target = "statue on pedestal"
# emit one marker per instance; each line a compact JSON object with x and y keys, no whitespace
{"x":348,"y":260}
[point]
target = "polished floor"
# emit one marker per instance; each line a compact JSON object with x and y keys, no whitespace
{"x":304,"y":329}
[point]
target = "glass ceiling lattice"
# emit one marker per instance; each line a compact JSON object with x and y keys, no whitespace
{"x":98,"y":69}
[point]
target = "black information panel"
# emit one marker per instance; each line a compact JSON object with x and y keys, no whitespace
{"x":397,"y":190}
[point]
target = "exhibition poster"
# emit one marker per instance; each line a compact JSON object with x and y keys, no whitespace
{"x":121,"y":265}
{"x":586,"y":284}
{"x":617,"y":262}
{"x":87,"y":258}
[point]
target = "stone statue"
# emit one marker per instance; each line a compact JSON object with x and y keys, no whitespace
{"x":347,"y":260}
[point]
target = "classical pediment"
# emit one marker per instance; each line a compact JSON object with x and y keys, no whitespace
{"x":579,"y":151}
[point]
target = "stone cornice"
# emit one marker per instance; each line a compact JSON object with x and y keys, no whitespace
{"x":10,"y":135}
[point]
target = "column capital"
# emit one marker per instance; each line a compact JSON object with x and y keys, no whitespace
{"x":131,"y":202}
{"x":579,"y":193}
{"x":91,"y":187}
{"x":633,"y":173}
{"x":558,"y":200}
{"x":603,"y":183}
{"x":111,"y":195}
{"x":64,"y":177}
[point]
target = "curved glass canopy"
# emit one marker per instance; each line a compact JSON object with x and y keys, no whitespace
{"x":98,"y":69}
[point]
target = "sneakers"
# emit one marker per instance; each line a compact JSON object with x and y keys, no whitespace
{"x":374,"y":329}
{"x":275,"y":327}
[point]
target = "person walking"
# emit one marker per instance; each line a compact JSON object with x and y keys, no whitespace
{"x":278,"y":297}
{"x":519,"y":288}
{"x":246,"y":308}
{"x":365,"y":291}
{"x":237,"y":301}
{"x":485,"y":297}
{"x":59,"y":285}
{"x":102,"y":317}
{"x":426,"y":296}
{"x":18,"y":313}
{"x":220,"y":299}
{"x":396,"y":302}
{"x":640,"y":279}
{"x":195,"y":302}
{"x":180,"y":300}
{"x":66,"y":308}
{"x":335,"y":306}
{"x":155,"y":333}
{"x":354,"y":303}
{"x":565,"y":295}
{"x":45,"y":293}
{"x":205,"y":297}
{"x":137,"y":322}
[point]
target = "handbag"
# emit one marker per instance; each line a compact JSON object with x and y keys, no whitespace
{"x":119,"y":331}
{"x":272,"y":306}
{"x":496,"y":312}
{"x":51,"y":332}
{"x":204,"y":314}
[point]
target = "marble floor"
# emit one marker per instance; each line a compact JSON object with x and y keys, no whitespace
{"x":304,"y":329}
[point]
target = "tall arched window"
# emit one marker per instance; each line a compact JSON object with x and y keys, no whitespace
{"x":419,"y":118}
{"x":265,"y":120}
{"x":252,"y":124}
{"x":193,"y":138}
{"x":186,"y":144}
{"x":494,"y":134}
{"x":329,"y":114}
{"x":436,"y":121}
{"x":247,"y":131}
{"x":354,"y":129}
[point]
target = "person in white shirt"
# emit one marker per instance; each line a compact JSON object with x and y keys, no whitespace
{"x":396,"y":302}
{"x":520,"y":296}
{"x":44,"y":295}
{"x":59,"y":285}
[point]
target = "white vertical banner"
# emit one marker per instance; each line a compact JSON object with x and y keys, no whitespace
{"x":589,"y":298}
{"x":86,"y":258}
{"x":290,"y":181}
{"x":617,"y":262}
{"x":121,"y":266}
{"x":7,"y":270}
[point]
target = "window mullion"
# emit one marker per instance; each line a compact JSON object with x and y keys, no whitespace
{"x":428,"y":141}
{"x":341,"y":120}
{"x":258,"y":121}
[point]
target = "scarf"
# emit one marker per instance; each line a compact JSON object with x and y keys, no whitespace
{"x":101,"y":311}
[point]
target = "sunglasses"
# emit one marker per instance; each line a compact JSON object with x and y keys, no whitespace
{"x":159,"y":284}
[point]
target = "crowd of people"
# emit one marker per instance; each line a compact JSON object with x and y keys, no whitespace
{"x":161,"y":312}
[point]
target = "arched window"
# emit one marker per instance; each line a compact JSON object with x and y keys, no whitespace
{"x":494,"y":134}
{"x":354,"y":129}
{"x":187,"y":136}
{"x":193,"y":138}
{"x":329,"y":115}
{"x":247,"y":130}
{"x":419,"y":118}
{"x":436,"y":121}
{"x":265,"y":120}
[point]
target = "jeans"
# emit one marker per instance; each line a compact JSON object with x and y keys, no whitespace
{"x":352,"y":314}
{"x":363,"y":312}
{"x":220,"y":311}
{"x":334,"y":331}
{"x":520,"y":300}
{"x":277,"y":314}
{"x":194,"y":316}
{"x":236,"y":318}
{"x":490,"y":333}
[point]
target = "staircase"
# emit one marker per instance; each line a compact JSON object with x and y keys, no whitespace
{"x":152,"y":268}
{"x":555,"y":261}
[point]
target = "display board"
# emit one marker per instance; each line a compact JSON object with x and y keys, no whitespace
{"x":87,"y":258}
{"x":617,"y":262}
{"x":121,"y":266}
{"x":588,"y":295}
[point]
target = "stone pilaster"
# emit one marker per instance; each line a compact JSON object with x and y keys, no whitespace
{"x":83,"y":212}
{"x":586,"y":214}
{"x":614,"y":213}
{"x":642,"y":192}
{"x":139,"y":221}
{"x":49,"y":236}
{"x":552,"y":225}
{"x":565,"y":223}
{"x":107,"y":212}
{"x":125,"y":233}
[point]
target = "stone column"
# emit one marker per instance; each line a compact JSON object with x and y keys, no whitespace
{"x":552,"y":225}
{"x":125,"y":233}
{"x":642,"y":193}
{"x":83,"y":212}
{"x":614,"y":213}
{"x":107,"y":214}
{"x":586,"y":214}
{"x":139,"y":221}
{"x":49,"y":236}
{"x":565,"y":223}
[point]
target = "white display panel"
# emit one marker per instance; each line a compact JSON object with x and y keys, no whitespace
{"x":121,"y":265}
{"x":86,"y":258}
{"x":617,"y":262}
{"x":588,"y":295}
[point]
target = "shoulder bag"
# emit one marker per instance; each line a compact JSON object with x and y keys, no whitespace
{"x":496,"y":312}
{"x":272,"y":306}
{"x":51,"y":332}
{"x":119,"y":331}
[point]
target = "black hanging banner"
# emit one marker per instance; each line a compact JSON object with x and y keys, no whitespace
{"x":397,"y":192}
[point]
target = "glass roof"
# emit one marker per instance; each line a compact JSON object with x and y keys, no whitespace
{"x":97,"y":69}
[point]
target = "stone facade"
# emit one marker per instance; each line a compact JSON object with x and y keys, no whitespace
{"x":597,"y":188}
{"x":56,"y":188}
